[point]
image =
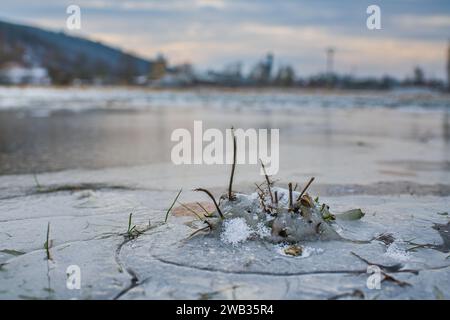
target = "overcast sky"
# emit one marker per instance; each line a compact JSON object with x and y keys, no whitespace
{"x":214,"y":33}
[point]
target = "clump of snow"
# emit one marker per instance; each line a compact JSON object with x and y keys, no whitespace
{"x":306,"y":251}
{"x":253,"y":196}
{"x":262,"y":230}
{"x":235,"y":231}
{"x":283,"y":195}
{"x":395,"y":252}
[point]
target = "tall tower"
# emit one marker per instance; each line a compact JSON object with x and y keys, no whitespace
{"x":448,"y":67}
{"x":330,"y":56}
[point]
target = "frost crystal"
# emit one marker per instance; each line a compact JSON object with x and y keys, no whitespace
{"x":235,"y":231}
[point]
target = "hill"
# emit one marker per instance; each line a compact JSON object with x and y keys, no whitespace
{"x":67,"y":57}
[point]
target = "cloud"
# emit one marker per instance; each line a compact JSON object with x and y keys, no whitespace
{"x":303,"y":47}
{"x":149,"y":5}
{"x":418,"y":22}
{"x":217,"y":4}
{"x":211,"y":33}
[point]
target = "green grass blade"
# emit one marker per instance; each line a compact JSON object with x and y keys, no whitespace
{"x":173,"y":203}
{"x":129,"y":222}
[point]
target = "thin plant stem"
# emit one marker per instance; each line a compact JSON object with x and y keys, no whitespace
{"x":290,"y":196}
{"x":190,"y":210}
{"x":173,"y":203}
{"x":213,"y":199}
{"x":305,"y":188}
{"x":230,"y":186}
{"x":47,"y":243}
{"x":267,"y":180}
{"x":204,"y":209}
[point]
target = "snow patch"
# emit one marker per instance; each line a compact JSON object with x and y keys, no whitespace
{"x":235,"y":231}
{"x":262,"y":230}
{"x":395,"y":252}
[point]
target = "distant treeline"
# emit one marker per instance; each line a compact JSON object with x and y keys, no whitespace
{"x":65,"y":60}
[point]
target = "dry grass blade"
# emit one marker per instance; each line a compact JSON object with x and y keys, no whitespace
{"x":261,"y":197}
{"x":230,"y":186}
{"x":213,"y":199}
{"x":191,"y":210}
{"x":390,"y":278}
{"x":305,"y":188}
{"x":259,"y":188}
{"x":197,"y":231}
{"x":391,"y":268}
{"x":208,"y":214}
{"x":290,"y":196}
{"x":267,"y":180}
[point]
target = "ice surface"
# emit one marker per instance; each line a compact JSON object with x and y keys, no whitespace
{"x":363,"y":153}
{"x":42,"y":102}
{"x":88,"y":227}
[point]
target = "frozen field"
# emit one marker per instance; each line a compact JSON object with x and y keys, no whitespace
{"x":83,"y":160}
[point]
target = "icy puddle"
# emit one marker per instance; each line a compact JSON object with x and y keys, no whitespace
{"x":405,"y":236}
